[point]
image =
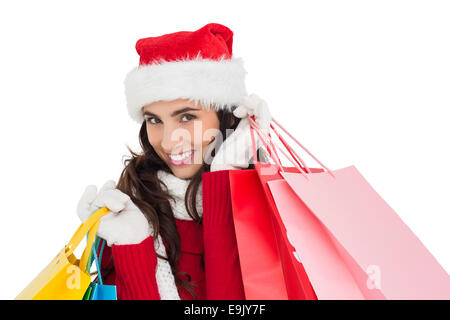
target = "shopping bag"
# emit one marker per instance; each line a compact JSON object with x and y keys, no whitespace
{"x":270,"y":269}
{"x":97,"y":290}
{"x":351,"y":240}
{"x":88,"y":293}
{"x":65,"y":277}
{"x":261,"y":269}
{"x":328,"y":283}
{"x":298,"y":285}
{"x":324,"y":266}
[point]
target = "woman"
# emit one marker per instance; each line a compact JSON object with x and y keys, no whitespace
{"x":170,"y":233}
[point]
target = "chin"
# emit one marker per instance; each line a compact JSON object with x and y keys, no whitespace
{"x":185,"y":172}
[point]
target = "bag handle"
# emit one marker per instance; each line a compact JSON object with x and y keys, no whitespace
{"x":91,"y":256}
{"x":89,"y":246}
{"x":274,"y":150}
{"x":301,"y":146}
{"x":271,"y":150}
{"x":272,"y":146}
{"x":294,"y":155}
{"x":101,"y":254}
{"x":98,"y":261}
{"x":83,"y":229}
{"x":291,"y":150}
{"x":293,"y":160}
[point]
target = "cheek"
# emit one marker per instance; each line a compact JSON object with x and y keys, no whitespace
{"x":153,"y":137}
{"x":210,"y":130}
{"x":203,"y":138}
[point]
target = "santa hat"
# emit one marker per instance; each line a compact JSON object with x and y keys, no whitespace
{"x":197,"y":65}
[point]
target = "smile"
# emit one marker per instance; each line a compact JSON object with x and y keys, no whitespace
{"x":180,"y":159}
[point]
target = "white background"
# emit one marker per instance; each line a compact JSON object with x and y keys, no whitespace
{"x":362,"y":83}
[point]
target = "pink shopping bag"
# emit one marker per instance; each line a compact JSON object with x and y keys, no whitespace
{"x":351,"y":242}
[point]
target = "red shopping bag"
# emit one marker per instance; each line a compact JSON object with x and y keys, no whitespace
{"x":297,"y":283}
{"x":270,"y":269}
{"x":261,"y":269}
{"x":352,"y":243}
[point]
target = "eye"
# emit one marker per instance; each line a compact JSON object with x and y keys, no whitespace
{"x":149,"y":119}
{"x":189,"y":116}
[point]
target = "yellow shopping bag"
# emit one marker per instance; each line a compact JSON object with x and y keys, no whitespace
{"x":66,"y":278}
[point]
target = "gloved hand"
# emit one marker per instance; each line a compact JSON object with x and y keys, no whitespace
{"x":236,"y":151}
{"x":125,"y":224}
{"x":253,"y":105}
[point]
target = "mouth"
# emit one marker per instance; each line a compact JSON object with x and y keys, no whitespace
{"x":181,"y":158}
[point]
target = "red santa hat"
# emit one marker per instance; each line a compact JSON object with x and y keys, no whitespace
{"x":197,"y":65}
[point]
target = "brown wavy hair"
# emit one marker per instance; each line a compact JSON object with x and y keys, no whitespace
{"x":139,"y":180}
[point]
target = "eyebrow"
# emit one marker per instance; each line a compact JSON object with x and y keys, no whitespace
{"x":174,"y":114}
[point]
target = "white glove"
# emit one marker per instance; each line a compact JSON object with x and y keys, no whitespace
{"x":236,"y":150}
{"x":125,"y":224}
{"x":253,"y":105}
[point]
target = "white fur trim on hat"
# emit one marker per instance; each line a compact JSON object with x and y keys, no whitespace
{"x":213,"y":83}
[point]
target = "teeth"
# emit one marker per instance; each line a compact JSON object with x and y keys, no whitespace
{"x":181,"y":156}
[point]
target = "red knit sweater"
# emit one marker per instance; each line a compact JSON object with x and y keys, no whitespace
{"x":134,"y":266}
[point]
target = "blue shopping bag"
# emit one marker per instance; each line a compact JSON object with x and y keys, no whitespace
{"x":101,"y":291}
{"x":97,"y":290}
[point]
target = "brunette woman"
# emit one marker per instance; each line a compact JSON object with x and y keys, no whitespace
{"x":170,"y":233}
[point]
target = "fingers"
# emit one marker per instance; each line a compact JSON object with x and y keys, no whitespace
{"x":261,"y":111}
{"x":253,"y":105}
{"x":85,"y":202}
{"x":127,"y":227}
{"x":108,"y":196}
{"x":264,"y":119}
{"x":89,"y":195}
{"x":109,"y":185}
{"x":114,"y":199}
{"x":108,"y":228}
{"x":240,"y":112}
{"x":246,"y":106}
{"x":237,"y":148}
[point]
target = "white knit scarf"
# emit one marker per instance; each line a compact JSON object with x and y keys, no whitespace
{"x":177,"y":188}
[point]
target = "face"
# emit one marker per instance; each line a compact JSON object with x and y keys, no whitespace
{"x":179,"y":131}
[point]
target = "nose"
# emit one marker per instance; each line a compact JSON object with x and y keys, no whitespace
{"x":174,"y":139}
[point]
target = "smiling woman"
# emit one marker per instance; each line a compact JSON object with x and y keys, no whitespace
{"x":170,"y":232}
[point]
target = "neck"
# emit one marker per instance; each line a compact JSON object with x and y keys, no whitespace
{"x":177,"y":188}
